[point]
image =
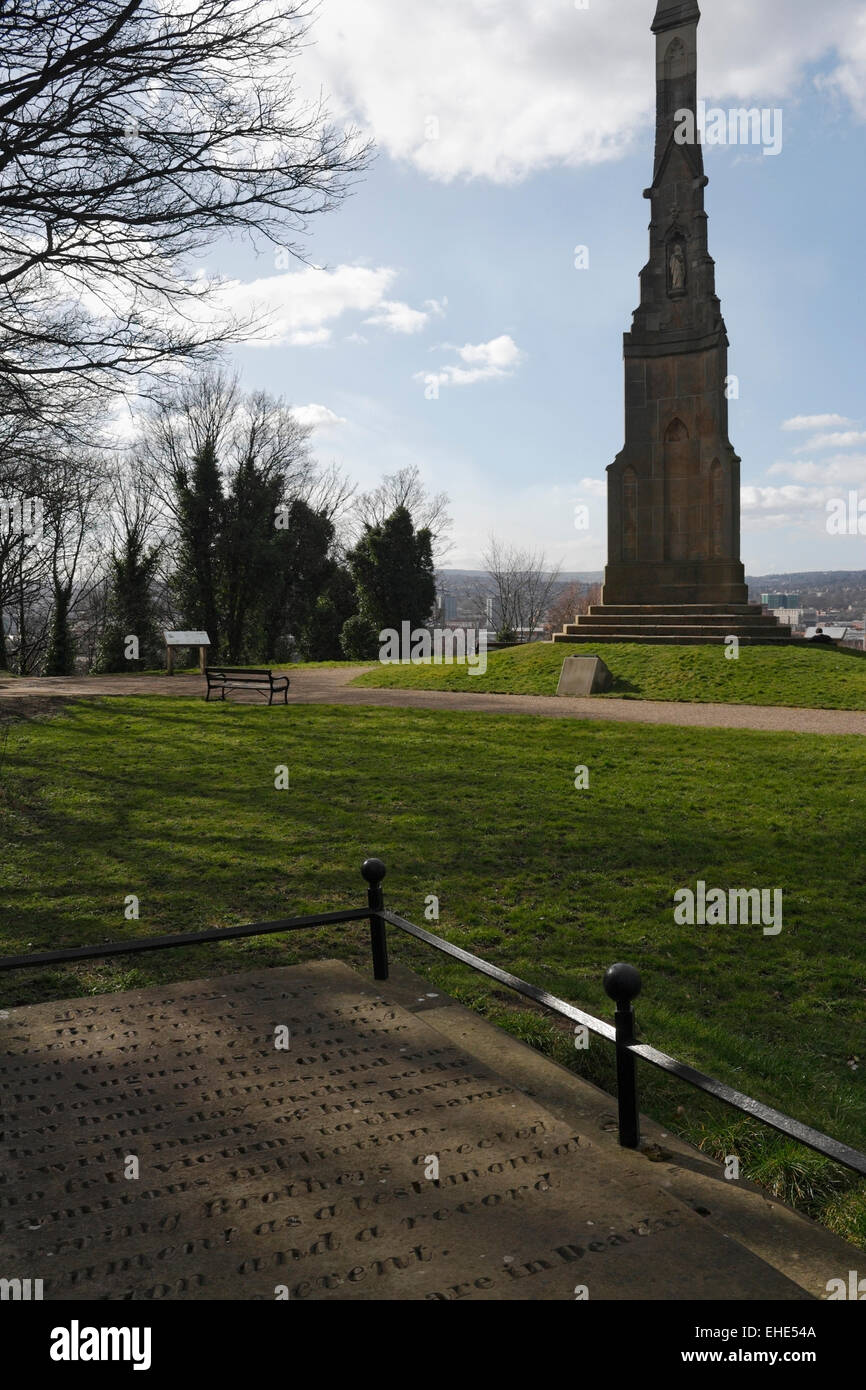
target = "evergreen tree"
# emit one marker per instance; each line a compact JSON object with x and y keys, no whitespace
{"x":131,"y":611}
{"x":248,"y":554}
{"x":359,"y":639}
{"x":300,"y":569}
{"x":200,"y":517}
{"x":60,"y":657}
{"x":337,"y":602}
{"x":392,"y":566}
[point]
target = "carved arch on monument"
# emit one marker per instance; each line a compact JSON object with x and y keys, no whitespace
{"x":675,"y":68}
{"x":717,"y":511}
{"x":686,"y":537}
{"x":675,"y":59}
{"x":629,"y":514}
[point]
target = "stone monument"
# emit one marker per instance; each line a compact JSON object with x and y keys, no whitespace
{"x":674,"y":490}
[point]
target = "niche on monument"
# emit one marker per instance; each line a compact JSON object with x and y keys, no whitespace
{"x":677,"y":265}
{"x":717,"y":510}
{"x":686,"y":522}
{"x":629,"y":514}
{"x":675,"y":70}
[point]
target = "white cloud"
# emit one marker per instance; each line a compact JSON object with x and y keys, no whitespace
{"x":790,"y":506}
{"x":300,"y":307}
{"x":596,"y":487}
{"x":768,"y":499}
{"x":801,"y":504}
{"x":848,"y":80}
{"x":307,"y":337}
{"x":398,"y":317}
{"x":481,"y":362}
{"x":833,"y":440}
{"x":839,"y":471}
{"x":499,"y":89}
{"x":318,"y":416}
{"x":815,"y":422}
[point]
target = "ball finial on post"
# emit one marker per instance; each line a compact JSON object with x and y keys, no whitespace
{"x":373,"y":871}
{"x":622,"y":983}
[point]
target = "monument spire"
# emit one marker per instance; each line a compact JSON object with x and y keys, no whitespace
{"x":674,"y":489}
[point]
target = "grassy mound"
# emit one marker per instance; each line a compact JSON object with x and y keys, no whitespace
{"x":802,"y":677}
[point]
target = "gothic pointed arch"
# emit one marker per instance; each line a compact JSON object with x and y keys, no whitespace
{"x":717,"y":509}
{"x":629,"y":514}
{"x":675,"y":68}
{"x":675,"y":59}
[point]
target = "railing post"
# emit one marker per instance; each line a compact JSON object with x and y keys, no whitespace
{"x":623,"y":984}
{"x":374,"y":871}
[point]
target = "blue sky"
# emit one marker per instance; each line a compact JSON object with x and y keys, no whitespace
{"x":455,"y":258}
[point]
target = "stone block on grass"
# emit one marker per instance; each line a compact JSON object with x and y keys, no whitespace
{"x":584,"y":675}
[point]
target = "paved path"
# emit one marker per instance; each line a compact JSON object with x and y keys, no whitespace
{"x":331,"y":686}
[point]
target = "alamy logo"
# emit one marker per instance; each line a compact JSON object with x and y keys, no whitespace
{"x":22,"y":516}
{"x":77,"y":1343}
{"x":847,"y":518}
{"x":854,"y":1290}
{"x":717,"y":907}
{"x":20,"y":1290}
{"x":738,"y":126}
{"x":455,"y":645}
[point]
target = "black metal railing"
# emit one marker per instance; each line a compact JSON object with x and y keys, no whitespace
{"x":621,"y":982}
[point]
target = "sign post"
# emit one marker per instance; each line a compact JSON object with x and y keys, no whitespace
{"x":186,"y":639}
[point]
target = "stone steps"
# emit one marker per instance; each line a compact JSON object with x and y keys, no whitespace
{"x":677,"y":624}
{"x":745,"y":610}
{"x":718,"y":620}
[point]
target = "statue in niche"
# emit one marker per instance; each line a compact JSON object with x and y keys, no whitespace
{"x":677,"y":269}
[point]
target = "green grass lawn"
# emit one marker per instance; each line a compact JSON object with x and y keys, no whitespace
{"x":192,"y":668}
{"x":175,"y":802}
{"x":820,"y":678}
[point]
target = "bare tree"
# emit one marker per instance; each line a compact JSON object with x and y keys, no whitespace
{"x":134,"y":133}
{"x":571,"y":602}
{"x":208,"y":410}
{"x":74,"y":489}
{"x":332,"y":492}
{"x":406,"y":488}
{"x":23,"y":599}
{"x":522,"y":586}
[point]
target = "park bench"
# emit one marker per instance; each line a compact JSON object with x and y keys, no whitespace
{"x":225,"y":678}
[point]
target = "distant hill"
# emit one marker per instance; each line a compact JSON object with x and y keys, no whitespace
{"x":460,"y":577}
{"x":839,"y":591}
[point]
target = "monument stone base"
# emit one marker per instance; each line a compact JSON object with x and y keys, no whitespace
{"x":680,"y":582}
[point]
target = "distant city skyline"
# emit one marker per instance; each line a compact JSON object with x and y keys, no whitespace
{"x":448,"y":317}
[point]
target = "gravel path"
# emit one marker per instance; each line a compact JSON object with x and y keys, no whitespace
{"x":330,"y":686}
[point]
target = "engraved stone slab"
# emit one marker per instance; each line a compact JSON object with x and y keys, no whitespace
{"x":289,"y":1133}
{"x":584,"y":675}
